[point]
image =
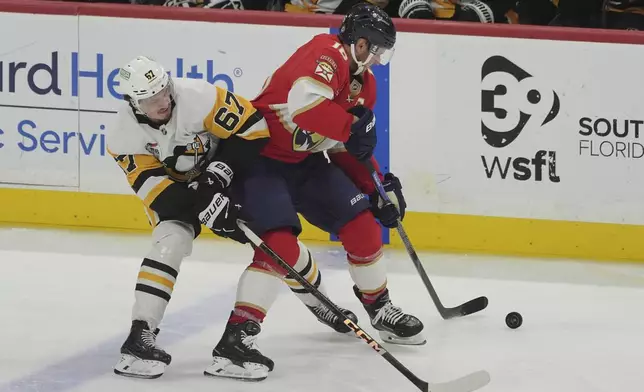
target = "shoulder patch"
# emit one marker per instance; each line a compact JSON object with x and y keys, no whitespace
{"x":153,"y":148}
{"x":355,"y":88}
{"x":329,"y":60}
{"x":325,"y":70}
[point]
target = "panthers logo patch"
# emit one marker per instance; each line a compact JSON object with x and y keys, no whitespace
{"x":306,"y":141}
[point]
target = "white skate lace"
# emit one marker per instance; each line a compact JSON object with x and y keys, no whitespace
{"x":389,"y":314}
{"x":326,"y":314}
{"x":149,"y":338}
{"x":250,"y":341}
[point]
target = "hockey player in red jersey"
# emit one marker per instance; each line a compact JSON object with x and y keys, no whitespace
{"x":319,"y":100}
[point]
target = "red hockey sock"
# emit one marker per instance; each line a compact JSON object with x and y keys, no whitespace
{"x":243,"y":313}
{"x":361,"y":238}
{"x":284,"y":243}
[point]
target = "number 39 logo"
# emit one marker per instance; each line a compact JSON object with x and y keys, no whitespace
{"x":510,"y":98}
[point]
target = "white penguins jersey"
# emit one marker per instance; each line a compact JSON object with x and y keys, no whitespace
{"x":154,"y":158}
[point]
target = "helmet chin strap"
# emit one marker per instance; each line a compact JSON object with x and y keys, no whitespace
{"x":135,"y":103}
{"x":361,"y":64}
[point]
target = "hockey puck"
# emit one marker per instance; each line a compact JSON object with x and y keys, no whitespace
{"x":513,"y":320}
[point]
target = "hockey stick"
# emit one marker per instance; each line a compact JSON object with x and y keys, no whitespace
{"x":473,"y":306}
{"x":468,"y":383}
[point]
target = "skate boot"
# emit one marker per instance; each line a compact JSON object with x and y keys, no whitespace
{"x":140,"y":356}
{"x":236,"y":355}
{"x":327,"y":317}
{"x":392,"y":324}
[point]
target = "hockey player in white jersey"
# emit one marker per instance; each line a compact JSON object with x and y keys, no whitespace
{"x":180,"y":143}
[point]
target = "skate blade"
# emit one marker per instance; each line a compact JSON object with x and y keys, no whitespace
{"x":225,"y":368}
{"x":130,"y":366}
{"x":416,"y":340}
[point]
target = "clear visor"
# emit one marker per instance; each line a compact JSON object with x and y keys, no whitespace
{"x":381,"y":56}
{"x":159,"y":102}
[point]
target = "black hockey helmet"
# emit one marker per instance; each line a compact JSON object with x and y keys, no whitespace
{"x":365,"y":20}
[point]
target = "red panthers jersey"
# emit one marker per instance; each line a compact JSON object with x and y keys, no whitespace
{"x":305,"y":104}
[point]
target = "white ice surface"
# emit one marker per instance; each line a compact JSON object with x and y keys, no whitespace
{"x":66,"y":297}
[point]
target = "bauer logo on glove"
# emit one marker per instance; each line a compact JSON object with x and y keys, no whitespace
{"x":214,"y":209}
{"x":371,"y":124}
{"x":222,"y":172}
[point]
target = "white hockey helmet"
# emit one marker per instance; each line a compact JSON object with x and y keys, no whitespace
{"x":141,"y":79}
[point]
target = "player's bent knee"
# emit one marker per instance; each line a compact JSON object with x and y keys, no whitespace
{"x":362,"y":240}
{"x":171,"y":242}
{"x":362,"y":237}
{"x":284,"y":243}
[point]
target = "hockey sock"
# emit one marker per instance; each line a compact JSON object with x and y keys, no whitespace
{"x":172,"y":241}
{"x":259,"y":284}
{"x":256,"y":292}
{"x":154,"y":286}
{"x":361,"y":238}
{"x":308,"y":268}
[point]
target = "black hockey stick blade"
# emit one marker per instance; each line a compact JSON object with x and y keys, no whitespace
{"x":467,"y":383}
{"x":473,"y":306}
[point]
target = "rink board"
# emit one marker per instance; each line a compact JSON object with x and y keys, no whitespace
{"x":447,"y":232}
{"x":500,"y":148}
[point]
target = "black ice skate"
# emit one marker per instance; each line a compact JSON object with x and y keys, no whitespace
{"x":140,"y":356}
{"x":236,"y":355}
{"x":392,"y":324}
{"x":327,"y":317}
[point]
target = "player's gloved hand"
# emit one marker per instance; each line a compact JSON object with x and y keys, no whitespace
{"x":217,"y":175}
{"x":225,"y":225}
{"x":363,"y":138}
{"x":389,"y":213}
{"x":215,"y":209}
{"x":220,"y":216}
{"x":209,"y":183}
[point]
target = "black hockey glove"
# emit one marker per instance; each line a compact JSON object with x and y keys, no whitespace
{"x":220,"y":216}
{"x":214,"y":207}
{"x":225,"y":223}
{"x":211,"y":182}
{"x":217,"y":176}
{"x":363,"y":137}
{"x":389,"y":213}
